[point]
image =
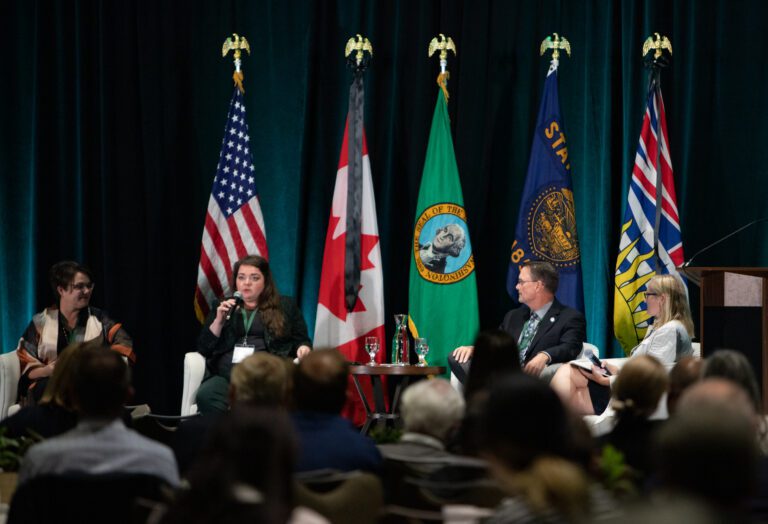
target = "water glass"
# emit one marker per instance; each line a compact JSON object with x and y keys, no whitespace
{"x":422,"y":348}
{"x":372,"y":347}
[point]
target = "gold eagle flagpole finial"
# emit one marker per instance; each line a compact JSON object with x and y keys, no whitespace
{"x":656,"y":44}
{"x":359,"y":45}
{"x":237,"y":44}
{"x":444,"y":44}
{"x":556,"y":43}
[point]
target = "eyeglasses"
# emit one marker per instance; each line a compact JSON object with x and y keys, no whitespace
{"x":521,"y":281}
{"x":82,"y":286}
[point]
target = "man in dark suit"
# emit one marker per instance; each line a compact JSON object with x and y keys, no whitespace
{"x":554,"y":335}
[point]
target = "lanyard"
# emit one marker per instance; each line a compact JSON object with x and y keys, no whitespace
{"x":247,"y":321}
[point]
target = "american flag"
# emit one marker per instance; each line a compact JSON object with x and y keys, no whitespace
{"x":234,"y":225}
{"x":650,"y":242}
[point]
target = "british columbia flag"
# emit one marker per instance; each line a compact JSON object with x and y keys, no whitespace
{"x":234,"y":225}
{"x":650,"y":233}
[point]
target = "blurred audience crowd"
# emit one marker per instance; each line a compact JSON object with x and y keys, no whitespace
{"x":508,"y":448}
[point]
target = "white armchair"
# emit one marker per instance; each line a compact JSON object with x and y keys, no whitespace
{"x":10,"y":372}
{"x":194,"y":370}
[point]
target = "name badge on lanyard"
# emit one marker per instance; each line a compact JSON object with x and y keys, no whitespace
{"x":243,"y":349}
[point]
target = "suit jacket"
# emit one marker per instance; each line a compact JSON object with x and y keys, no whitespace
{"x":561,"y":332}
{"x":328,"y":441}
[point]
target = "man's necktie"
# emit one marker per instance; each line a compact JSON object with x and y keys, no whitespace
{"x":529,"y":330}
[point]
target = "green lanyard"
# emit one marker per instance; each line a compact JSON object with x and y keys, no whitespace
{"x":247,"y":321}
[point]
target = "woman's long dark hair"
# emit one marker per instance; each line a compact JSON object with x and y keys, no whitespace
{"x":269,"y":300}
{"x":495,"y":356}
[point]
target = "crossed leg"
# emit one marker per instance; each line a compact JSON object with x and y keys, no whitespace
{"x":571,"y":385}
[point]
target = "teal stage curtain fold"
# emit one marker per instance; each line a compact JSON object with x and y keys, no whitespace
{"x":112,"y":114}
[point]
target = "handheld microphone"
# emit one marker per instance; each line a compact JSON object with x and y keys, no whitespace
{"x":238,"y":302}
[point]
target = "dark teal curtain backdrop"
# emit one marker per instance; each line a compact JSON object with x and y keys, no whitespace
{"x":112,"y":117}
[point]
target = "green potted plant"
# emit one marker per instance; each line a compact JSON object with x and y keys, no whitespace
{"x":11,"y":452}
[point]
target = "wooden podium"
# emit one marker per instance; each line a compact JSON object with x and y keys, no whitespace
{"x":733,"y":314}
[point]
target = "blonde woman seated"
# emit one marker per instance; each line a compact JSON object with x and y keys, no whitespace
{"x":668,"y":340}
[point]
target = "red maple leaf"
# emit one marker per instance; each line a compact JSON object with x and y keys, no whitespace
{"x":331,"y":293}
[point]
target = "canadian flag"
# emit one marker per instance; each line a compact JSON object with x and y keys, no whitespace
{"x":335,"y":326}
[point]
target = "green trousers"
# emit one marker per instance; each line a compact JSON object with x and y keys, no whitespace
{"x":213,"y":395}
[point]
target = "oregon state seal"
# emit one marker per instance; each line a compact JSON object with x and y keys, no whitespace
{"x":552,"y":227}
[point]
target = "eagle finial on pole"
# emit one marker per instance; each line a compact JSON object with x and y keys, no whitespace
{"x":656,"y":44}
{"x":556,"y":44}
{"x":359,"y":46}
{"x":444,"y":44}
{"x":236,"y":43}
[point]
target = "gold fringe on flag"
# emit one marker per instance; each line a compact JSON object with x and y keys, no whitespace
{"x":442,"y":81}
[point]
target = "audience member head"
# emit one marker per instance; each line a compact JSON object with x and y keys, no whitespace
{"x":244,"y":473}
{"x":495,"y":355}
{"x":102,"y":383}
{"x":734,"y":366}
{"x":672,"y":298}
{"x":686,"y":372}
{"x":708,"y":448}
{"x":639,"y":387}
{"x":259,"y":379}
{"x":60,"y":387}
{"x":526,"y":437}
{"x":543,"y":272}
{"x":432,"y":407}
{"x":320,"y":382}
{"x":717,"y":391}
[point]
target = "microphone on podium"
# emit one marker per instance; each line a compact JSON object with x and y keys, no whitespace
{"x":726,"y":237}
{"x":238,"y":302}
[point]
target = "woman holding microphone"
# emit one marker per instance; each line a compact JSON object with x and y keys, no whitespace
{"x":259,"y":319}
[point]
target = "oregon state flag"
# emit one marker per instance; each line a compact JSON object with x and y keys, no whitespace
{"x":650,"y":232}
{"x":546,"y":223}
{"x":442,"y":296}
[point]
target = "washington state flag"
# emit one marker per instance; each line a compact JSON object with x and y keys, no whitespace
{"x":442,"y":297}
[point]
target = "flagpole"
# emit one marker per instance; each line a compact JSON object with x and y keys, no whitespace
{"x":556,"y":43}
{"x":442,"y":288}
{"x":655,"y":64}
{"x":236,"y":43}
{"x":234,"y":211}
{"x":352,"y":258}
{"x":443,"y":44}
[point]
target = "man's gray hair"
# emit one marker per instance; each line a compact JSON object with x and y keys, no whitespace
{"x":432,"y":407}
